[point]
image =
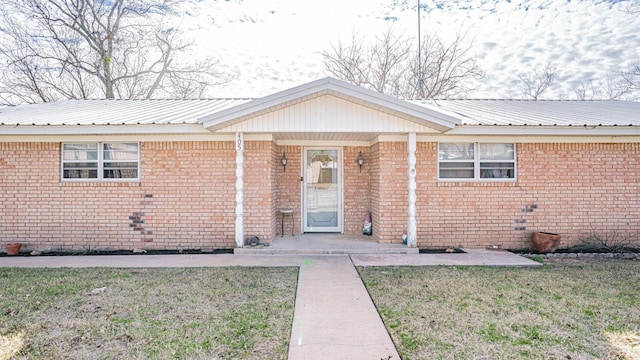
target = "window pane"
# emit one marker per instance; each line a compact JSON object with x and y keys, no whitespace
{"x":80,"y":165}
{"x":122,"y":146}
{"x":455,"y":151}
{"x":120,"y":173}
{"x":497,"y":151}
{"x":111,"y":165}
{"x":456,"y":170}
{"x":80,"y":170}
{"x":80,"y":152}
{"x":120,"y":170}
{"x":121,"y":151}
{"x":80,"y":174}
{"x":503,"y":170}
{"x":92,"y":146}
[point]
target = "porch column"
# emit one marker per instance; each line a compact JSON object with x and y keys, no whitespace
{"x":411,"y":158}
{"x":239,"y":190}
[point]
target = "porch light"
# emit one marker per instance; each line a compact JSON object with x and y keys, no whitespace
{"x":284,"y":161}
{"x":360,"y":161}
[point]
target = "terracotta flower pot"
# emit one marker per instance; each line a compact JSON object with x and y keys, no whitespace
{"x":546,"y":242}
{"x":13,"y":249}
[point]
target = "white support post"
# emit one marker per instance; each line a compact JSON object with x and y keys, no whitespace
{"x":239,"y":190}
{"x":411,"y":158}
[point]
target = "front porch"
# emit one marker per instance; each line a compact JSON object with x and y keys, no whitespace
{"x":328,"y":152}
{"x":327,"y":244}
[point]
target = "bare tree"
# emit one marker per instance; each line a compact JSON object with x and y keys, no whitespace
{"x":444,"y":69}
{"x":386,"y":65}
{"x":532,"y":86}
{"x":377,"y":66}
{"x":56,"y":49}
{"x":611,"y":88}
{"x":632,"y":77}
{"x":632,"y":8}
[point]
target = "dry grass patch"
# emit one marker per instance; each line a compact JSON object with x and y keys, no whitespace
{"x":200,"y":313}
{"x":564,"y":310}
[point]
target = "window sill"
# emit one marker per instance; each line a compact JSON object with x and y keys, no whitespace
{"x":477,"y":183}
{"x":101,"y":183}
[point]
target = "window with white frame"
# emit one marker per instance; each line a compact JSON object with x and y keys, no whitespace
{"x":476,"y":161}
{"x":100,"y":161}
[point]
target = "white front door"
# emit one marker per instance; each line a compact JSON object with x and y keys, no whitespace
{"x":322,"y":190}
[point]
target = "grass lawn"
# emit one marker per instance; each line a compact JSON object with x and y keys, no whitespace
{"x":200,"y":313}
{"x":564,"y":310}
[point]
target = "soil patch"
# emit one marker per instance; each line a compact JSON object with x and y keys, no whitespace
{"x":122,"y":252}
{"x":572,"y":253}
{"x":442,"y":251}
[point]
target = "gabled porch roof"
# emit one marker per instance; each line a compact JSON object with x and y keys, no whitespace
{"x":433,"y":119}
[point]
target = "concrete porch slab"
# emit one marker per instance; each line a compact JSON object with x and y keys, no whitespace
{"x":325,"y":244}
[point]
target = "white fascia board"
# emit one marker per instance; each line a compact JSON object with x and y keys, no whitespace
{"x":441,"y":122}
{"x":102,"y":129}
{"x":546,"y":130}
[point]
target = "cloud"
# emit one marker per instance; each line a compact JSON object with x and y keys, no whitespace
{"x":277,"y":43}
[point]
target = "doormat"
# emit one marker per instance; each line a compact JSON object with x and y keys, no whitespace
{"x":442,"y":251}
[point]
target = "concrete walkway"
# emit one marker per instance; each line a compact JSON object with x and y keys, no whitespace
{"x":334,"y":317}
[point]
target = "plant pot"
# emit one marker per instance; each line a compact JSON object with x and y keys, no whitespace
{"x":546,"y":242}
{"x":13,"y":249}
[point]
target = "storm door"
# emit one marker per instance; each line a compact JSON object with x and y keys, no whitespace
{"x":322,"y":190}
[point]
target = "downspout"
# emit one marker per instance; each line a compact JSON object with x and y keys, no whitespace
{"x":411,"y":159}
{"x":239,"y":190}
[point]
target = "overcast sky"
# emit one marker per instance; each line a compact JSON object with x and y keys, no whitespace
{"x":273,"y":45}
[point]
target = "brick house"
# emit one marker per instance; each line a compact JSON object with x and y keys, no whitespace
{"x":206,"y":174}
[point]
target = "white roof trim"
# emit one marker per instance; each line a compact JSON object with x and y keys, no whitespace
{"x":545,"y":130}
{"x":433,"y":119}
{"x":102,"y":129}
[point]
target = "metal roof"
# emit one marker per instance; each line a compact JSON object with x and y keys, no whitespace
{"x":538,"y":112}
{"x":114,"y":112}
{"x":475,"y":117}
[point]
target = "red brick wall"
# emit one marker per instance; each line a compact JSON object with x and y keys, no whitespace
{"x":259,"y":200}
{"x":40,"y":211}
{"x":576,"y":187}
{"x":193,"y":188}
{"x":273,"y":186}
{"x":186,"y":196}
{"x":374,"y":176}
{"x":356,"y":188}
{"x":185,"y":199}
{"x":389,"y":190}
{"x":288,"y":187}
